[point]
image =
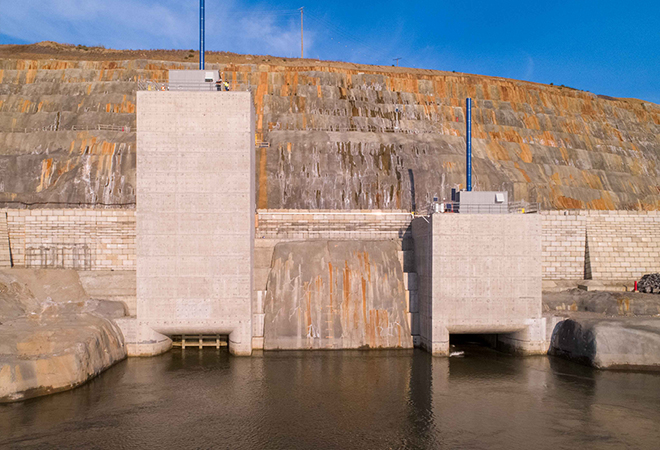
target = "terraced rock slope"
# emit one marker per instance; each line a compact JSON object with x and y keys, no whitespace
{"x":340,"y":135}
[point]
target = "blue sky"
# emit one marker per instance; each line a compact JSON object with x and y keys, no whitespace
{"x":606,"y":47}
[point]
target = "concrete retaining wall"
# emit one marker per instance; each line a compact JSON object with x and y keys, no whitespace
{"x":622,"y":245}
{"x":84,"y":239}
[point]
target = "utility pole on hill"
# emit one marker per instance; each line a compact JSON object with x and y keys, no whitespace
{"x":301,"y":33}
{"x":397,"y":60}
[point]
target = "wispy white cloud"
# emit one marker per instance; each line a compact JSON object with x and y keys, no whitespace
{"x":154,"y":24}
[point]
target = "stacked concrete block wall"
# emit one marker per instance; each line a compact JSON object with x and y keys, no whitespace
{"x":624,"y":245}
{"x":601,"y":245}
{"x":5,"y":252}
{"x":83,"y":239}
{"x":329,"y":224}
{"x":563,"y":241}
{"x":195,"y":214}
{"x":480,"y":274}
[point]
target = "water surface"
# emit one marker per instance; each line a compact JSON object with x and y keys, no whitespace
{"x":343,"y":400}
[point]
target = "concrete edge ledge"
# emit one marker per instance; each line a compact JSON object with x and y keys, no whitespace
{"x":141,"y":340}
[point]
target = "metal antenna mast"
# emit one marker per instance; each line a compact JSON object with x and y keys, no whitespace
{"x":201,"y":34}
{"x":301,"y":33}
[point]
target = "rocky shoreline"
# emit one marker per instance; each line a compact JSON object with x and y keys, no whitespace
{"x":606,"y":330}
{"x":52,"y":336}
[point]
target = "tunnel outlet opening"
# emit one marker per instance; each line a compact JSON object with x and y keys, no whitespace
{"x":462,"y":341}
{"x":200,"y":341}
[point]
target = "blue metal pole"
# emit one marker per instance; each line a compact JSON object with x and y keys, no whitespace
{"x":201,"y":34}
{"x":468,"y":140}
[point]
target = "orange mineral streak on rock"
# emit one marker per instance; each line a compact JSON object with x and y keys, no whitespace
{"x":496,"y":151}
{"x":562,"y":202}
{"x":605,"y":202}
{"x":525,"y":153}
{"x":524,"y":174}
{"x":25,"y":104}
{"x":30,"y":75}
{"x":592,"y":180}
{"x":46,"y":173}
{"x":262,"y":196}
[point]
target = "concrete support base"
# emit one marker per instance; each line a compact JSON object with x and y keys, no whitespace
{"x":240,"y":342}
{"x":140,"y":340}
{"x":258,"y":343}
{"x":530,"y":341}
{"x":439,"y":345}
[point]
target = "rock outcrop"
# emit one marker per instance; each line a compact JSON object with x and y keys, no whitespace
{"x":333,"y":135}
{"x":609,"y":343}
{"x":52,"y":336}
{"x":607,"y":330}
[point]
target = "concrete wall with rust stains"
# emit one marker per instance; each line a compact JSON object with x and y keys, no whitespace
{"x":336,"y":294}
{"x":341,"y":136}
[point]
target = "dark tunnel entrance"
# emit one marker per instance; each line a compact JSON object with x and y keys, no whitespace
{"x":463,"y":342}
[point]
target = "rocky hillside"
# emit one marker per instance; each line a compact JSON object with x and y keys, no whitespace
{"x":339,"y":135}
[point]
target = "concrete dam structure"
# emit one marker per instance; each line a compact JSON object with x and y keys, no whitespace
{"x":195,"y":253}
{"x":292,"y":211}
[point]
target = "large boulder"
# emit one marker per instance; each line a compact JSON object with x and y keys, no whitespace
{"x":609,"y":343}
{"x":52,"y":337}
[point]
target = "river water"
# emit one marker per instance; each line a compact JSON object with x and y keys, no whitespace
{"x":343,"y":400}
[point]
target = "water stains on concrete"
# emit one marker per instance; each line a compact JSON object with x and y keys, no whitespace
{"x":336,"y":294}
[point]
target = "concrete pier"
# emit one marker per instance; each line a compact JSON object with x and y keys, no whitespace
{"x":480,"y":274}
{"x":195,"y":216}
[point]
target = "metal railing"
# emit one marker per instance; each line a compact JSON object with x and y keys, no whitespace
{"x":101,"y":127}
{"x":203,"y":86}
{"x":98,"y":127}
{"x":520,"y":207}
{"x":67,"y":256}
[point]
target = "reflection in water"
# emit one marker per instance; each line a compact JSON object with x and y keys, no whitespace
{"x":349,"y":399}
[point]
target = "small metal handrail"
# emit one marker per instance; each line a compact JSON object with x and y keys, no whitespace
{"x":151,"y":85}
{"x":520,"y":207}
{"x":98,"y":127}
